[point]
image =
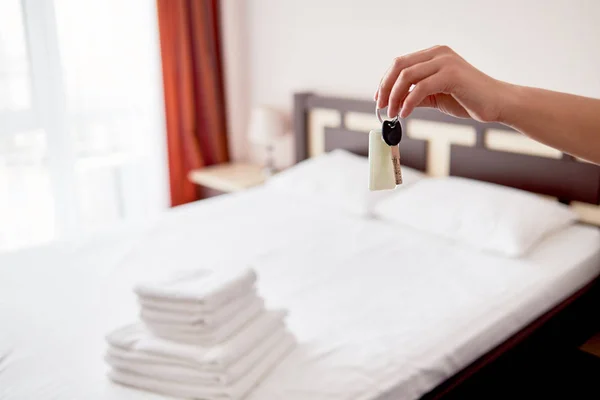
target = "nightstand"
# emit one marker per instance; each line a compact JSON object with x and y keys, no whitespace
{"x":226,"y":178}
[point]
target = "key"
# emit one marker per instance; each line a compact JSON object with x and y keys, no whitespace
{"x":392,"y":135}
{"x":396,"y":164}
{"x":381,"y":171}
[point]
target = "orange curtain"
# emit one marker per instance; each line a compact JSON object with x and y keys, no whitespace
{"x":193,"y":89}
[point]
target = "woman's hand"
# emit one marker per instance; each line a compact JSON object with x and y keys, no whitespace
{"x":443,"y":80}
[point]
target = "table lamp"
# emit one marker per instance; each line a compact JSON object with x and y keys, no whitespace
{"x":266,"y":124}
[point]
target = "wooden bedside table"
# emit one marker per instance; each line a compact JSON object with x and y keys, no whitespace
{"x":226,"y":178}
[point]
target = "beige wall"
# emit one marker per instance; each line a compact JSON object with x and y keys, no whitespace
{"x":342,"y":47}
{"x":236,"y":74}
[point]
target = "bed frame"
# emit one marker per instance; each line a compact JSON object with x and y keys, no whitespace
{"x":564,"y":178}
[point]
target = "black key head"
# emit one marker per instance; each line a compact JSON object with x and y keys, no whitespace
{"x":391,"y":131}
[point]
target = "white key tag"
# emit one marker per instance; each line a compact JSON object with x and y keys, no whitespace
{"x":381,"y":170}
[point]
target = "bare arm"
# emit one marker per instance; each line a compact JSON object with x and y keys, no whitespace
{"x":444,"y":80}
{"x":564,"y":121}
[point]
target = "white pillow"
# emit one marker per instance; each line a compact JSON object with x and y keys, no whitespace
{"x":483,"y":215}
{"x":338,"y":178}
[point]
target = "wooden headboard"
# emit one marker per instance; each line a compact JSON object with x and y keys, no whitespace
{"x":459,"y":147}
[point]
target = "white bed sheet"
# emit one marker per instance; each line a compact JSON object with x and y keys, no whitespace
{"x":375,"y":307}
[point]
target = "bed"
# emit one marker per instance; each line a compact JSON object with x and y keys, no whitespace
{"x":403,"y":323}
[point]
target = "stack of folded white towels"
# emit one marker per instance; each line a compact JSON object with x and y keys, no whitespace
{"x":203,"y":335}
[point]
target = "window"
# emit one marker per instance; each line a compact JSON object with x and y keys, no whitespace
{"x":15,"y":85}
{"x":81,"y":118}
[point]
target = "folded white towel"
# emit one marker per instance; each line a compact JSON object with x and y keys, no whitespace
{"x":205,"y":322}
{"x":176,"y":371}
{"x":208,"y":336}
{"x":208,"y":289}
{"x":235,"y":391}
{"x":183,"y":313}
{"x":137,"y":337}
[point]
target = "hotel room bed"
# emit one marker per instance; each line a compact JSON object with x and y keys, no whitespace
{"x":380,"y":310}
{"x":375,"y":307}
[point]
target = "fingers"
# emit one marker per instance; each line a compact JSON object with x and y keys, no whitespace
{"x":409,"y":76}
{"x":431,"y":85}
{"x":385,"y":87}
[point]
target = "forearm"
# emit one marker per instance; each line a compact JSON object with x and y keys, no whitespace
{"x":567,"y":122}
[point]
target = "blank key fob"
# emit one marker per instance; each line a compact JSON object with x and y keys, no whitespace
{"x":381,"y":171}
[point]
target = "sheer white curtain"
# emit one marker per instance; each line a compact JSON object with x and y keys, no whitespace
{"x":82,"y":144}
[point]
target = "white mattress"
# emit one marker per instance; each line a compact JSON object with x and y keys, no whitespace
{"x":375,"y":307}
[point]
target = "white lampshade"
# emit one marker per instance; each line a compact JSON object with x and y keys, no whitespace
{"x":266,"y":124}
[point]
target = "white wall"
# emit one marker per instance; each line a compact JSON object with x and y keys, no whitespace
{"x":342,"y":47}
{"x":237,"y":83}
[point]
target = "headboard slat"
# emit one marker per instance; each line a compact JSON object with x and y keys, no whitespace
{"x":354,"y":141}
{"x":301,"y":125}
{"x":568,"y":180}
